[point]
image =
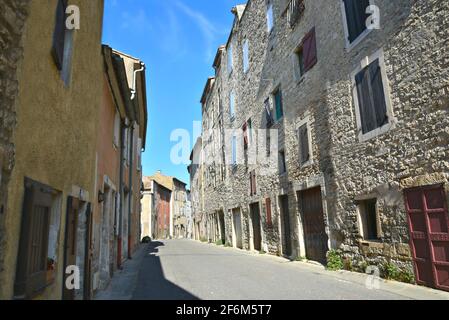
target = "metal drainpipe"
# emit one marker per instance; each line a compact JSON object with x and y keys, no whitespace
{"x":130,"y":194}
{"x":122,"y":189}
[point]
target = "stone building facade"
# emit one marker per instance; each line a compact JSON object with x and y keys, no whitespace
{"x":355,"y":114}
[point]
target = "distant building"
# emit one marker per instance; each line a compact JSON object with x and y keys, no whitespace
{"x":164,"y":207}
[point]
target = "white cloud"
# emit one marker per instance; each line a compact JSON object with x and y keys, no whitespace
{"x":208,"y":30}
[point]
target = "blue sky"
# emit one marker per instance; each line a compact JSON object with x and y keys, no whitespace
{"x":177,"y":39}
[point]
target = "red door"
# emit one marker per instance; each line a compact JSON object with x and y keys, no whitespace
{"x":429,"y":235}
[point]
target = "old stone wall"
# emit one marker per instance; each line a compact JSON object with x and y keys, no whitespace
{"x":13,"y":15}
{"x":414,"y":39}
{"x":412,"y":151}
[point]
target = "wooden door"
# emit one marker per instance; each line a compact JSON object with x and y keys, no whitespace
{"x":222,"y":227}
{"x":285,"y":217}
{"x":238,"y":228}
{"x":428,"y":220}
{"x":255,"y":218}
{"x":71,"y":230}
{"x":315,"y":237}
{"x":88,"y":254}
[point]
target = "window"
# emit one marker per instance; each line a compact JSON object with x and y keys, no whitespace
{"x":270,"y":18}
{"x":234,"y":150}
{"x":38,"y":240}
{"x":252,"y":183}
{"x":306,"y":54}
{"x":126,"y":147}
{"x":278,"y":104}
{"x":371,"y":98}
{"x":230,"y":59}
{"x":304,"y":148}
{"x":268,"y":208}
{"x":232,"y":105}
{"x":245,"y":135}
{"x":368,"y":219}
{"x":268,"y":116}
{"x":245,"y":55}
{"x":116,"y":138}
{"x":356,"y":17}
{"x":62,"y":42}
{"x":59,"y":34}
{"x":250,"y":131}
{"x":282,"y":166}
{"x":139,"y":154}
{"x":295,"y":10}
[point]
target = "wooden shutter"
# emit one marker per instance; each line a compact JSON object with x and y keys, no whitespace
{"x":356,"y":17}
{"x":304,"y":144}
{"x":371,"y":97}
{"x":31,"y":274}
{"x":278,"y":102}
{"x":59,"y":34}
{"x":245,"y":134}
{"x":367,"y":115}
{"x":378,"y":94}
{"x":253,"y":183}
{"x":268,"y":208}
{"x":309,"y":50}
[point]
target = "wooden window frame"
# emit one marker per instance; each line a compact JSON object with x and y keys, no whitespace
{"x":365,"y":224}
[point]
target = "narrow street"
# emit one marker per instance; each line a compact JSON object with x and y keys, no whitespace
{"x":189,"y":270}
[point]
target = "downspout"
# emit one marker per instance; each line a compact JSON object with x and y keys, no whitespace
{"x":131,"y":159}
{"x":122,"y":189}
{"x":130,"y":194}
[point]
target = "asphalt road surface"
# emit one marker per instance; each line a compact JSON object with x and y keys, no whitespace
{"x":186,"y":270}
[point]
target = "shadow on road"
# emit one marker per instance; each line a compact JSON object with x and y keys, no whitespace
{"x":151,"y":282}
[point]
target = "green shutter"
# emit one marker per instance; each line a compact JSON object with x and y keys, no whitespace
{"x":278,"y":102}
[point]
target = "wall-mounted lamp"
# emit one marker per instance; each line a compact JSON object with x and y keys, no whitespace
{"x":100,"y":196}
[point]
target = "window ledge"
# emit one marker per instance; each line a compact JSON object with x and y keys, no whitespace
{"x":363,"y":137}
{"x":358,"y":40}
{"x":307,"y":164}
{"x":373,"y":243}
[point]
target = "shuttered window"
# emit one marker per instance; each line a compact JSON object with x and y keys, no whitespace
{"x":232,"y":105}
{"x":59,"y":34}
{"x":309,"y":51}
{"x":278,"y":104}
{"x":31,"y":274}
{"x":245,"y":55}
{"x":234,"y":150}
{"x":268,"y":116}
{"x":306,"y":54}
{"x":371,"y":97}
{"x":245,"y":135}
{"x":230,"y":59}
{"x":282,"y":165}
{"x":356,"y":17}
{"x":304,"y":152}
{"x":268,"y":208}
{"x":252,"y":180}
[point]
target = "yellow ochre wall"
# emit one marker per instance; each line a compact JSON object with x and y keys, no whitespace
{"x":55,"y":136}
